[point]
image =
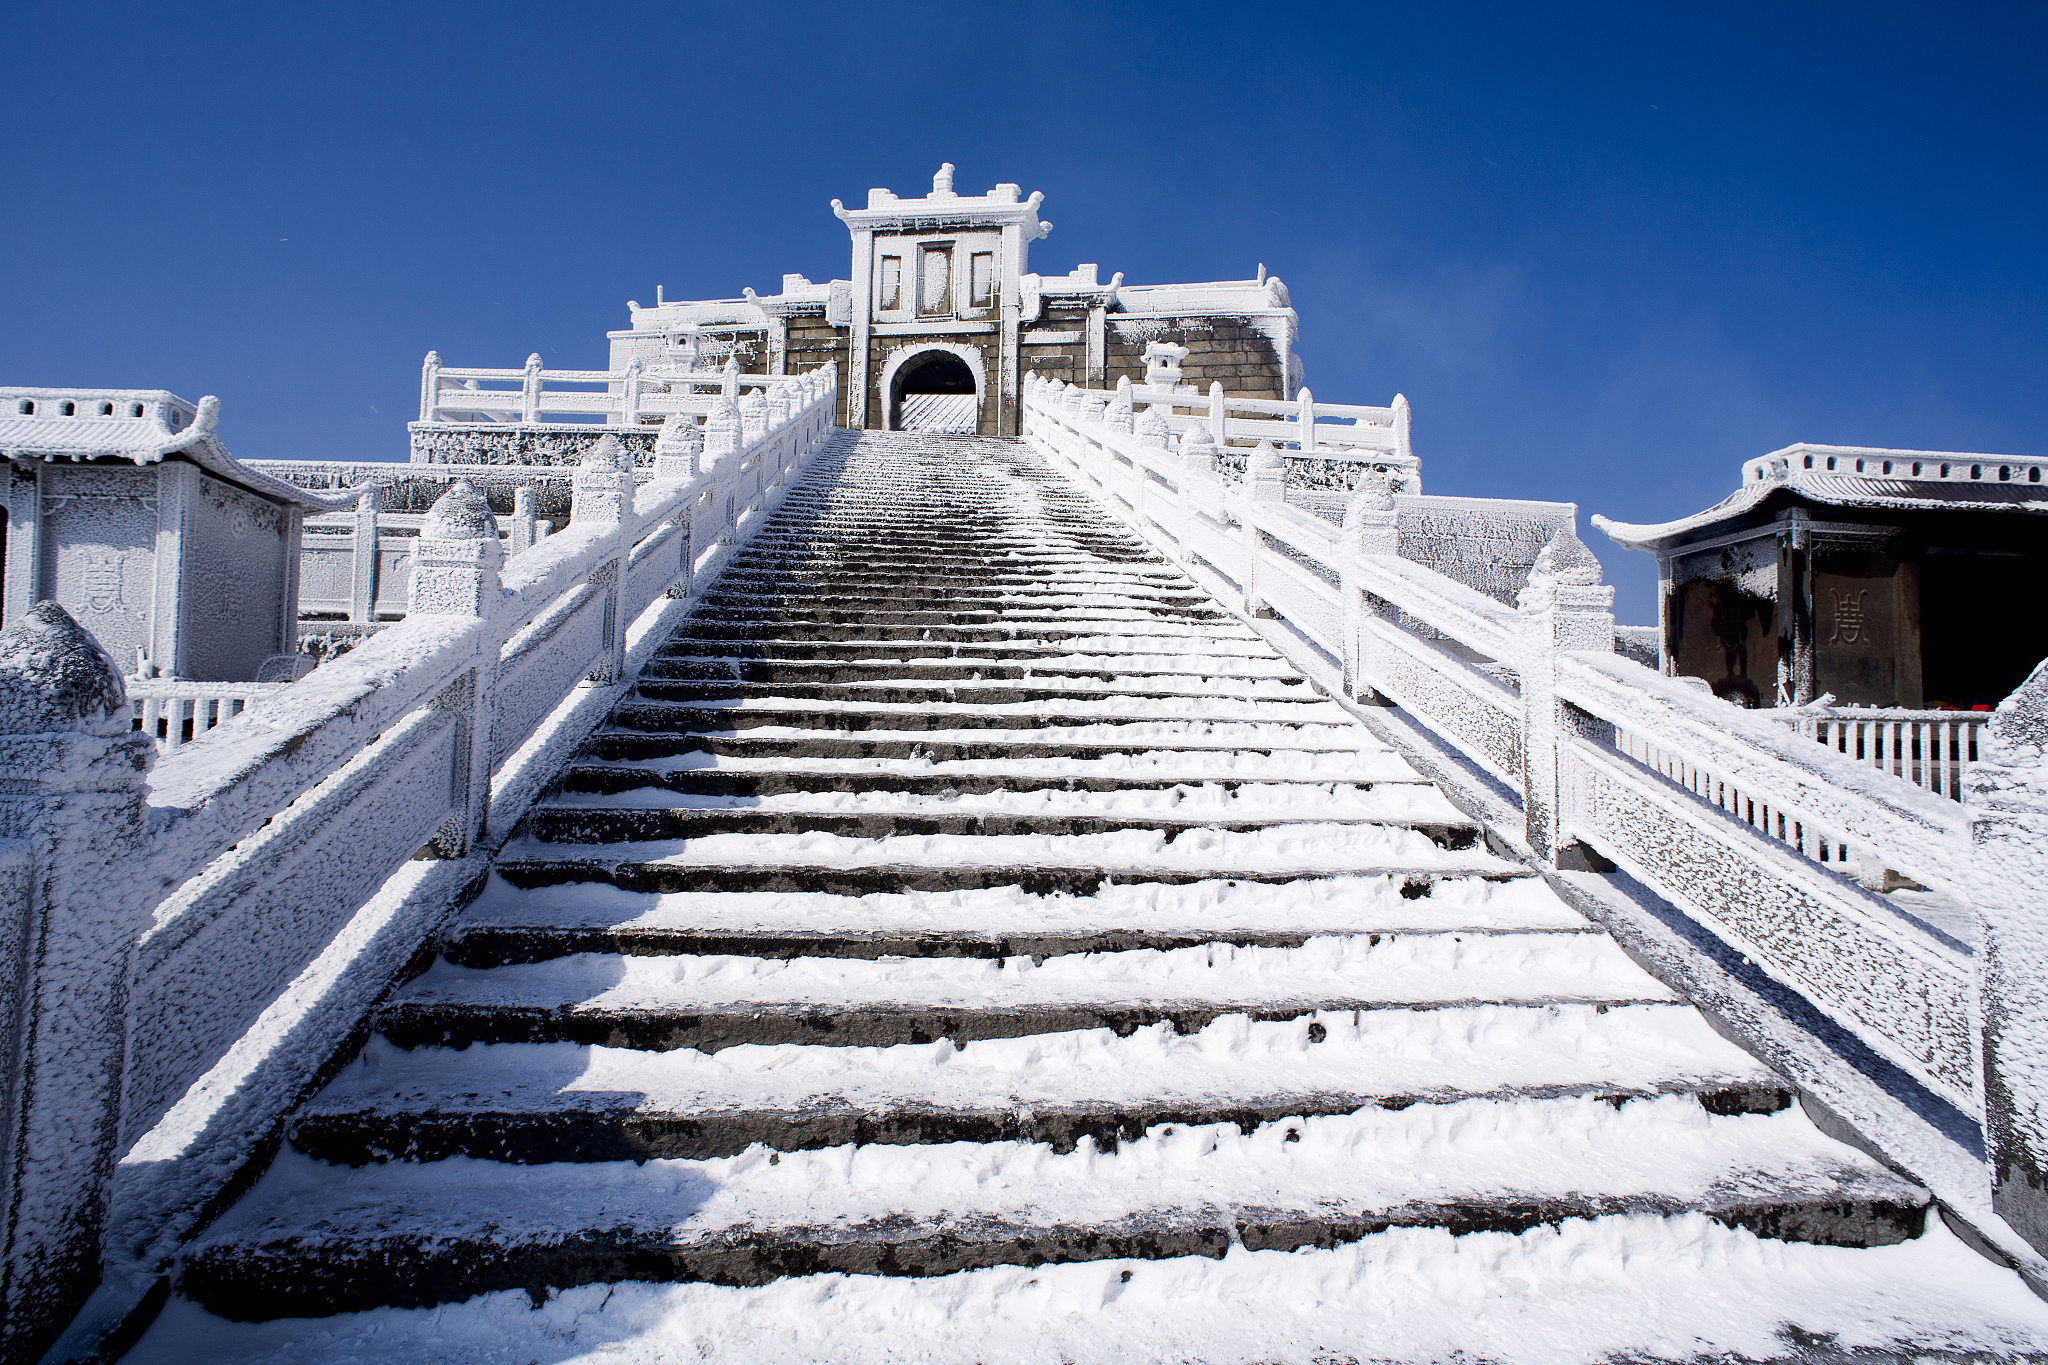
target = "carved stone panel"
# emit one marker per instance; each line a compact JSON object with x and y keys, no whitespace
{"x":99,"y":552}
{"x":1866,"y":635}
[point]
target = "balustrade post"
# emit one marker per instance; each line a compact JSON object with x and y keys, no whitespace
{"x":631,"y":397}
{"x":1401,"y":445}
{"x":729,"y":378}
{"x":1120,"y":412}
{"x":1565,"y":607}
{"x":522,"y":518}
{"x":1197,"y":472}
{"x":455,"y":568}
{"x":1218,"y":421}
{"x":364,"y":560}
{"x":1305,"y":417}
{"x":1152,"y":431}
{"x":678,"y":448}
{"x":602,"y":499}
{"x":73,"y":828}
{"x":1265,"y":484}
{"x":1371,"y":527}
{"x":430,"y":387}
{"x":529,"y":391}
{"x":2006,"y":801}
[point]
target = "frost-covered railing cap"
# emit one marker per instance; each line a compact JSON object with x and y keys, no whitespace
{"x":1264,"y":459}
{"x":1373,"y":496}
{"x":462,"y":514}
{"x":2022,"y":718}
{"x":1567,"y":561}
{"x":54,"y":676}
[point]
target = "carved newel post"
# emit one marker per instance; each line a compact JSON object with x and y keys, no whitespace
{"x":455,"y":566}
{"x":1565,"y":607}
{"x":1120,"y":414}
{"x":72,"y":829}
{"x":602,"y":499}
{"x":1265,"y":482}
{"x":1371,"y":527}
{"x":2007,"y":804}
{"x":677,"y":449}
{"x":1197,"y":483}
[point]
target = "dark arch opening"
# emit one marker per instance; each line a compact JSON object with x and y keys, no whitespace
{"x":934,"y":392}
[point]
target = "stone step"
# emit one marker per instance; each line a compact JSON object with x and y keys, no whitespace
{"x":508,"y":924}
{"x":970,"y":691}
{"x":1104,"y":650}
{"x":710,"y":1003}
{"x":1156,"y":636}
{"x":743,"y":578}
{"x":564,"y":823}
{"x":612,"y":779}
{"x":1240,"y":674}
{"x":1019,"y":620}
{"x":883,"y":612}
{"x":1089,"y":743}
{"x":909,"y":717}
{"x":314,"y":1239}
{"x":538,"y":1103}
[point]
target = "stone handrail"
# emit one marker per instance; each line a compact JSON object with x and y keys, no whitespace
{"x":1930,"y":749}
{"x":1343,"y":433}
{"x":253,"y":895}
{"x":627,"y":396}
{"x":1725,"y":813}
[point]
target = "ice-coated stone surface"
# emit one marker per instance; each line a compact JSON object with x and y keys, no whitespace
{"x":462,"y":514}
{"x":54,"y":676}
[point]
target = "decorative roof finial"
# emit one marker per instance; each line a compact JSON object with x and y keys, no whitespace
{"x":942,"y":183}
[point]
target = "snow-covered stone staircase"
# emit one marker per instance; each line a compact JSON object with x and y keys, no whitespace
{"x":965,"y":888}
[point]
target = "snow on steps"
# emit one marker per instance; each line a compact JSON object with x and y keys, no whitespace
{"x":710,"y":1001}
{"x":565,"y":1102}
{"x":510,"y":925}
{"x":312,"y":1239}
{"x":1077,"y":929}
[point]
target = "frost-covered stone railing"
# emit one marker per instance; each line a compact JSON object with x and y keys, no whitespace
{"x":463,"y":423}
{"x":206,"y":935}
{"x":629,"y":395}
{"x":352,"y":564}
{"x":1931,"y":749}
{"x":1724,"y":812}
{"x":1323,"y":443}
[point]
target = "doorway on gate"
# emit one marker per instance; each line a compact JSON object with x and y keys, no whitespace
{"x":934,"y":392}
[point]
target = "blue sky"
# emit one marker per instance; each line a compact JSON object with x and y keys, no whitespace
{"x":1607,"y":253}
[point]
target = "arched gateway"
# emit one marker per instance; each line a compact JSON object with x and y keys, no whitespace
{"x":937,"y":389}
{"x":939,"y":290}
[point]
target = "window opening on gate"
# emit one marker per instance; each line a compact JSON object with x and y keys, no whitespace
{"x":935,"y":281}
{"x":981,"y":279}
{"x":892,"y":284}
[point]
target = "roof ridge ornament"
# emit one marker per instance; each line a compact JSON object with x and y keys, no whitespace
{"x":942,"y":182}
